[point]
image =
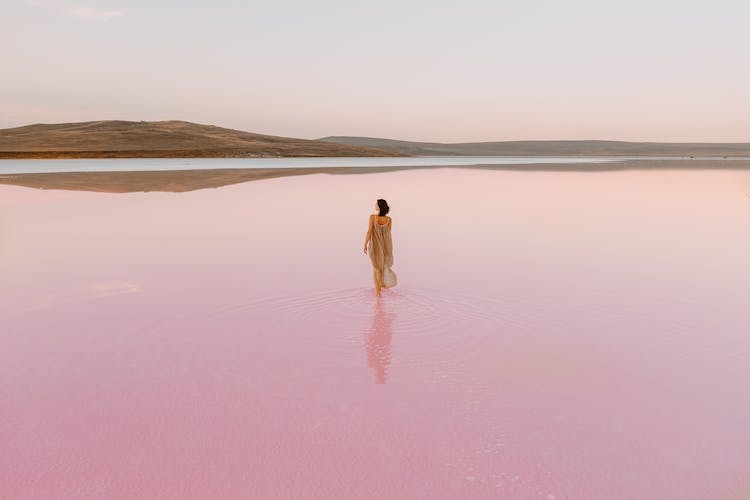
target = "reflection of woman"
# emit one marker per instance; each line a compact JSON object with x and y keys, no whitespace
{"x":381,"y":247}
{"x":378,"y":342}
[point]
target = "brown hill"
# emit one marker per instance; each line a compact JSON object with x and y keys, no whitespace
{"x":163,"y":139}
{"x":547,"y":148}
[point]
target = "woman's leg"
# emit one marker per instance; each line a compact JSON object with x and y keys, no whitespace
{"x":377,"y":283}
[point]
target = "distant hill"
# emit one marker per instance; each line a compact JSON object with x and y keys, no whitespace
{"x":162,"y":139}
{"x":546,"y":148}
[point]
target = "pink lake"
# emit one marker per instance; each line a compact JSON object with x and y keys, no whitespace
{"x":554,"y":335}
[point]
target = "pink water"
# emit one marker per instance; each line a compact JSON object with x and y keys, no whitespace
{"x":552,"y":335}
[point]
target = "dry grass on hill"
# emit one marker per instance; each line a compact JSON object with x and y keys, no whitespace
{"x":164,"y":139}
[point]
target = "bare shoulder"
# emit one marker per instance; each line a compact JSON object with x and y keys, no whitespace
{"x":375,"y":217}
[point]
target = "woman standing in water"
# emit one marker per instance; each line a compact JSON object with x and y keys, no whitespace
{"x":380,"y":247}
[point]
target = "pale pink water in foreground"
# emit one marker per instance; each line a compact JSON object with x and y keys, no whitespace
{"x":553,"y":335}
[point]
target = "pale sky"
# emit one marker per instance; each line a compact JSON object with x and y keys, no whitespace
{"x":470,"y":70}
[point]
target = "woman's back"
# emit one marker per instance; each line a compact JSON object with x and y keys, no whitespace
{"x":382,"y":220}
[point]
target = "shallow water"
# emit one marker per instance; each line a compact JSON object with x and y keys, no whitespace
{"x":553,"y":335}
{"x":161,"y":164}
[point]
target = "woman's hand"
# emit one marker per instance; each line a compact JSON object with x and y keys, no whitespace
{"x":365,"y":249}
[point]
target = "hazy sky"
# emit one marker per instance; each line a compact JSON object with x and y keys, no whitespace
{"x":470,"y":70}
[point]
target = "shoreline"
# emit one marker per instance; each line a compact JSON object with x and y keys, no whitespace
{"x":178,"y":181}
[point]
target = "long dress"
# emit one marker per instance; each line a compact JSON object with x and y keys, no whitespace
{"x":380,"y":249}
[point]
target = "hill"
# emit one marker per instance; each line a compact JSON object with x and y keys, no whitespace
{"x":161,"y":139}
{"x":546,"y":148}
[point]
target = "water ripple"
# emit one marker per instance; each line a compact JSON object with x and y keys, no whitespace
{"x":431,"y":325}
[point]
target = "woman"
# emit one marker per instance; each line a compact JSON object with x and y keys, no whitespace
{"x":381,"y":247}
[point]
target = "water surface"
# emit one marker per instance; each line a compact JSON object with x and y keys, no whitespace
{"x":553,"y":335}
{"x":161,"y":164}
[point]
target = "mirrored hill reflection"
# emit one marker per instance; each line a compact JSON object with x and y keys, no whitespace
{"x":378,"y":341}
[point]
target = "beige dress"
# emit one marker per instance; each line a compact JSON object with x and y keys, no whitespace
{"x":380,"y":250}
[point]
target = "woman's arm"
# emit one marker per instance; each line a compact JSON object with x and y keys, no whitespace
{"x":369,"y":233}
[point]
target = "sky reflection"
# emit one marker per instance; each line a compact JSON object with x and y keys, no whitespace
{"x":561,"y":334}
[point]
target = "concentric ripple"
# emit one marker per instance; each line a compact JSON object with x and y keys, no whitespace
{"x":436,"y":329}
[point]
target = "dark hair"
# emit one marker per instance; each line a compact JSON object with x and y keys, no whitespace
{"x":383,"y":205}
